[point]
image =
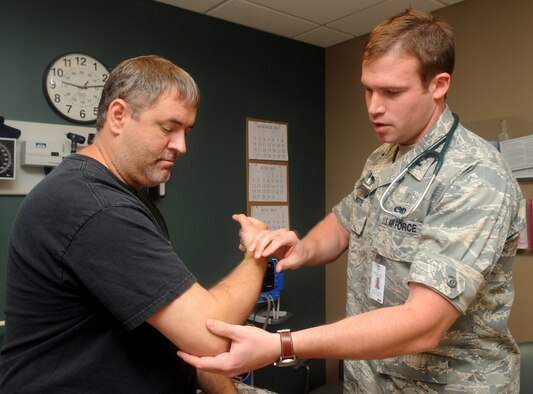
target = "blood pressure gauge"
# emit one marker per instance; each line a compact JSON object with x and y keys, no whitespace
{"x":7,"y":158}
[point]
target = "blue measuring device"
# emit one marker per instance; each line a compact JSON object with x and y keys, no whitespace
{"x":273,"y":282}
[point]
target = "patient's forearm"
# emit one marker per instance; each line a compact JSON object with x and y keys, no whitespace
{"x":212,"y":383}
{"x":237,"y":294}
{"x":183,"y":321}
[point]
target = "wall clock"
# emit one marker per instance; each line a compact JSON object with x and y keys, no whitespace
{"x":73,"y":84}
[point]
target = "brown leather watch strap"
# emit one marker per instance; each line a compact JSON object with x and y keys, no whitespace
{"x":286,"y":344}
{"x":287,"y":356}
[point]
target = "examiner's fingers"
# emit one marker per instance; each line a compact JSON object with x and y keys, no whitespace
{"x":285,"y":264}
{"x":268,"y":243}
{"x":190,"y":359}
{"x":212,"y":364}
{"x":264,"y":240}
{"x":221,"y":328}
{"x":252,"y":246}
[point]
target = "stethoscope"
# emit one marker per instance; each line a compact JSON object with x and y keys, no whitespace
{"x":430,"y":152}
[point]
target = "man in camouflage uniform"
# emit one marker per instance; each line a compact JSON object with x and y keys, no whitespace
{"x":459,"y":243}
{"x":429,"y":273}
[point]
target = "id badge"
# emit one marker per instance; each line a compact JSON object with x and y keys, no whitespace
{"x":377,"y":282}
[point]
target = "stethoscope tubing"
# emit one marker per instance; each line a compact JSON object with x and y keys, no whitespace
{"x":430,"y":152}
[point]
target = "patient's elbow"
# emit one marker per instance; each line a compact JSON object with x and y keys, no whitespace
{"x":211,"y":345}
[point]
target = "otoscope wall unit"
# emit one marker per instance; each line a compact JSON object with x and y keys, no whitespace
{"x":41,"y":147}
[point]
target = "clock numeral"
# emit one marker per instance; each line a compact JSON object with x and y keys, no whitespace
{"x":57,"y":72}
{"x":82,"y":114}
{"x":80,"y":61}
{"x":95,"y":64}
{"x":57,"y":98}
{"x":69,"y":108}
{"x":95,"y":110}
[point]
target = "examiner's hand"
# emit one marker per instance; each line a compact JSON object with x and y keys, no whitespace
{"x":282,"y":243}
{"x":251,"y":348}
{"x":250,"y":227}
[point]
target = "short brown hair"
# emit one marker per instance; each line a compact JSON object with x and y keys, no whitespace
{"x":141,"y":80}
{"x":418,"y":34}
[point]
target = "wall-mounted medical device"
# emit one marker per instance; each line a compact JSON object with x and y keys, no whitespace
{"x":75,"y":139}
{"x":45,"y":145}
{"x":7,"y":158}
{"x":41,"y":153}
{"x":47,"y":152}
{"x":8,"y":151}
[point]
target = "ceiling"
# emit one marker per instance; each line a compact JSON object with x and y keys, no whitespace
{"x":318,"y":22}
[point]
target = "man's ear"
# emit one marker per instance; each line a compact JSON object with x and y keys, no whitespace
{"x":441,"y":84}
{"x":116,"y":115}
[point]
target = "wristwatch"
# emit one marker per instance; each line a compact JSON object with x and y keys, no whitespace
{"x":287,"y":357}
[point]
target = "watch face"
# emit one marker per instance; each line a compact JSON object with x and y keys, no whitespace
{"x":73,"y":84}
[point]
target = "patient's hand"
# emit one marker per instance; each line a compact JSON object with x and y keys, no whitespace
{"x":250,"y":228}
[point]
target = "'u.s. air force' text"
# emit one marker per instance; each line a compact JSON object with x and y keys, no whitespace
{"x":400,"y":225}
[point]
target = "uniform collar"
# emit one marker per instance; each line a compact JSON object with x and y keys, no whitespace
{"x":438,"y":130}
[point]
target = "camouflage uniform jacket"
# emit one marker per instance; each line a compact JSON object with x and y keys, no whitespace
{"x":460,"y":241}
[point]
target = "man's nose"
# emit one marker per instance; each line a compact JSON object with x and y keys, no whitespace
{"x":177,"y":143}
{"x":374,"y":104}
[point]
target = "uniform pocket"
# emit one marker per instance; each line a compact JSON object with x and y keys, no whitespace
{"x":396,"y":239}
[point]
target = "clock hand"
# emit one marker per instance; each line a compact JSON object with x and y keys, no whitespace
{"x":84,"y":86}
{"x":72,"y":84}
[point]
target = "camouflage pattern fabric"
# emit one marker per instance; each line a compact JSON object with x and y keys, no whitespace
{"x":460,"y":241}
{"x":243,"y":388}
{"x":246,"y":389}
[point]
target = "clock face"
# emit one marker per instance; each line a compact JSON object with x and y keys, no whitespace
{"x":73,"y":84}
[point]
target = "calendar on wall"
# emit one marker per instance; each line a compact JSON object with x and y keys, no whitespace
{"x":276,"y":216}
{"x":267,"y":172}
{"x":267,"y":141}
{"x":267,"y":182}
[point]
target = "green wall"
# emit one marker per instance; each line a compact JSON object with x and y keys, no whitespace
{"x":241,"y":73}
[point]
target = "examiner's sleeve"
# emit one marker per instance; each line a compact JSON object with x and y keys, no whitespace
{"x":465,"y":233}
